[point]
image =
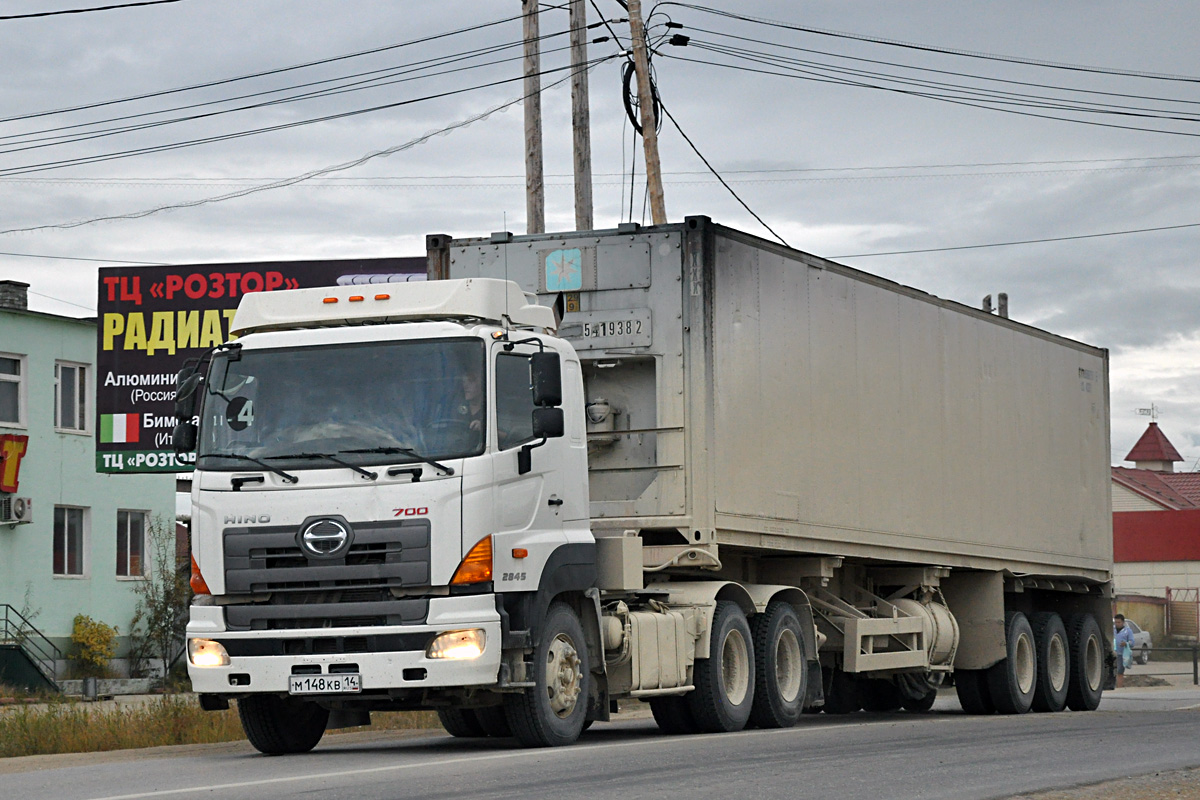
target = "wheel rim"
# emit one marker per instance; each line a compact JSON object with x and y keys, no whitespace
{"x":735,"y":667}
{"x":1092,"y":663}
{"x":788,"y":665}
{"x":1056,"y":667}
{"x":564,"y":675}
{"x":1024,"y":664}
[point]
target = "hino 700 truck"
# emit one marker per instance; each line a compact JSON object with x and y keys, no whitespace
{"x":678,"y":465}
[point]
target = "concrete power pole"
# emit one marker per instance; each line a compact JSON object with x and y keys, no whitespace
{"x":581,"y":121}
{"x":535,"y":193}
{"x":641,"y":63}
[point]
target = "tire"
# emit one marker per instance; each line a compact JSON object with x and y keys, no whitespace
{"x":461,"y":722}
{"x":493,"y":721}
{"x":972,"y":689}
{"x":1013,"y":681}
{"x":1144,"y":656}
{"x":879,"y":695}
{"x":781,"y":671}
{"x":1053,"y":661}
{"x":918,"y":692}
{"x":551,"y":714}
{"x":842,"y":694}
{"x":1087,"y":662}
{"x":919,"y":705}
{"x":279,"y":725}
{"x":673,"y":715}
{"x":724,"y":693}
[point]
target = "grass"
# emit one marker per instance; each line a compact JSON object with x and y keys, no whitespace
{"x":73,"y":727}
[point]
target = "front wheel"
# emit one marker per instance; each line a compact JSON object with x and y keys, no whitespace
{"x":279,"y":725}
{"x":552,"y":713}
{"x":724,"y":693}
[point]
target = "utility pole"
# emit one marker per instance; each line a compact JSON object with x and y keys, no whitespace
{"x":581,"y":121}
{"x":641,"y":64}
{"x":535,"y":193}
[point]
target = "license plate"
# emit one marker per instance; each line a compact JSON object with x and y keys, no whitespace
{"x":324,"y":684}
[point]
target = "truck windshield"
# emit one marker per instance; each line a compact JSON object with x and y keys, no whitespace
{"x":372,"y":403}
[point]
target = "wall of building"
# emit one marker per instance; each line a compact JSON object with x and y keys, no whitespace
{"x":58,"y":469}
{"x":1154,"y":577}
{"x":1125,"y":499}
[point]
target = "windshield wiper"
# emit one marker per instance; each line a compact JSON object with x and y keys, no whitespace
{"x":407,"y":451}
{"x":334,"y":459}
{"x":287,"y":476}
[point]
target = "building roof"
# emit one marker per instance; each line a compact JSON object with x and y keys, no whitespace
{"x":1174,"y":490}
{"x":1153,"y":446}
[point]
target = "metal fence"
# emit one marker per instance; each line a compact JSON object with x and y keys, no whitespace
{"x":1192,"y":654}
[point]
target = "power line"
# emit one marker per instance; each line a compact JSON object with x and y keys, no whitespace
{"x":700,"y":155}
{"x":1025,"y":241}
{"x":41,"y":167}
{"x":936,"y":49}
{"x":78,"y":258}
{"x":88,"y":10}
{"x":590,"y":65}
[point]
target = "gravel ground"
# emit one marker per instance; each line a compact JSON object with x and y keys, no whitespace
{"x":1181,"y":785}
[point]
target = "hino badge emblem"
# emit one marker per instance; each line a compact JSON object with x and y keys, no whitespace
{"x":325,"y":537}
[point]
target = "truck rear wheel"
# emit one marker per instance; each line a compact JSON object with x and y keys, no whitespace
{"x":1087,"y":662}
{"x":461,"y":722}
{"x":781,"y":672}
{"x":972,"y":688}
{"x":673,"y":715}
{"x":278,"y":725}
{"x":1013,"y":680}
{"x":724,"y":681}
{"x":553,"y":711}
{"x":1053,"y":661}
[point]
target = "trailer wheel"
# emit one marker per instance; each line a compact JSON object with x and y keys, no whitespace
{"x":494,"y":721}
{"x":972,"y":688}
{"x":1014,"y":679}
{"x":1087,"y":662}
{"x":1053,"y":661}
{"x":724,"y":681}
{"x":461,"y":722}
{"x":842,"y":692}
{"x":673,"y":715}
{"x":781,"y":673}
{"x":552,"y":713}
{"x":278,"y":725}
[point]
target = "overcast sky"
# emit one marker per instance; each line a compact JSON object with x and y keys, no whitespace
{"x":835,"y":169}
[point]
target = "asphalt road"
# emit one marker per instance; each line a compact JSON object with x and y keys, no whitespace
{"x":943,"y":754}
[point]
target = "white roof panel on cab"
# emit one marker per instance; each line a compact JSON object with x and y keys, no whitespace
{"x":489,"y":299}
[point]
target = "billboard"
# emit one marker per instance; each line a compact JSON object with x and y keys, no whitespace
{"x":152,"y":319}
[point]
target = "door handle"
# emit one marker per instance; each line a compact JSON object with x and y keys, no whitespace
{"x":554,"y":501}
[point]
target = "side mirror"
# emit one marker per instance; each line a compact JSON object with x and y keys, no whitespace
{"x":545,"y":373}
{"x":185,"y":390}
{"x":548,"y":423}
{"x":184,"y":437}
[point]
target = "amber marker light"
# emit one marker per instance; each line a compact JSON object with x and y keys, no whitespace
{"x":199,"y":586}
{"x":356,"y":298}
{"x":477,"y":566}
{"x":329,"y":300}
{"x":520,"y":552}
{"x":383,"y":297}
{"x":207,"y":653}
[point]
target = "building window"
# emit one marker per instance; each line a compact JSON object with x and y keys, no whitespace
{"x":70,"y":396}
{"x":68,"y":540}
{"x":12,"y":389}
{"x":131,"y":543}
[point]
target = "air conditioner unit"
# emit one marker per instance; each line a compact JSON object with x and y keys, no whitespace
{"x":15,"y":510}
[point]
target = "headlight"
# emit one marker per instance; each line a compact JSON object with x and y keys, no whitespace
{"x":207,"y":653}
{"x":457,"y":644}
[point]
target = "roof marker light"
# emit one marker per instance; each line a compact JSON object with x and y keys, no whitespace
{"x":383,"y":297}
{"x":329,"y":300}
{"x":356,"y":298}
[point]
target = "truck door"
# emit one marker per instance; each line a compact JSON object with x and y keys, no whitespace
{"x":528,"y":507}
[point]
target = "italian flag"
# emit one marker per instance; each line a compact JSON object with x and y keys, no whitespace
{"x":119,"y":428}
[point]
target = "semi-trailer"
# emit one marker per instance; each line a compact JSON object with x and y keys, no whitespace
{"x":677,"y":464}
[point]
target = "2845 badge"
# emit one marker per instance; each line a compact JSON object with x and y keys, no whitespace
{"x":512,"y":576}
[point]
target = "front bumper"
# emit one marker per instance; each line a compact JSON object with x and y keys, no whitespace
{"x":387,"y":657}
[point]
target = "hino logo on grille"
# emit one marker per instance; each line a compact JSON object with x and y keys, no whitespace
{"x":325,"y":537}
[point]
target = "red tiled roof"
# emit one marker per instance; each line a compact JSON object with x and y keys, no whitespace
{"x":1153,"y":446}
{"x":1162,"y":487}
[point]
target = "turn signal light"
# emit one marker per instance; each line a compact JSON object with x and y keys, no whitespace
{"x":197,"y":580}
{"x":477,"y":566}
